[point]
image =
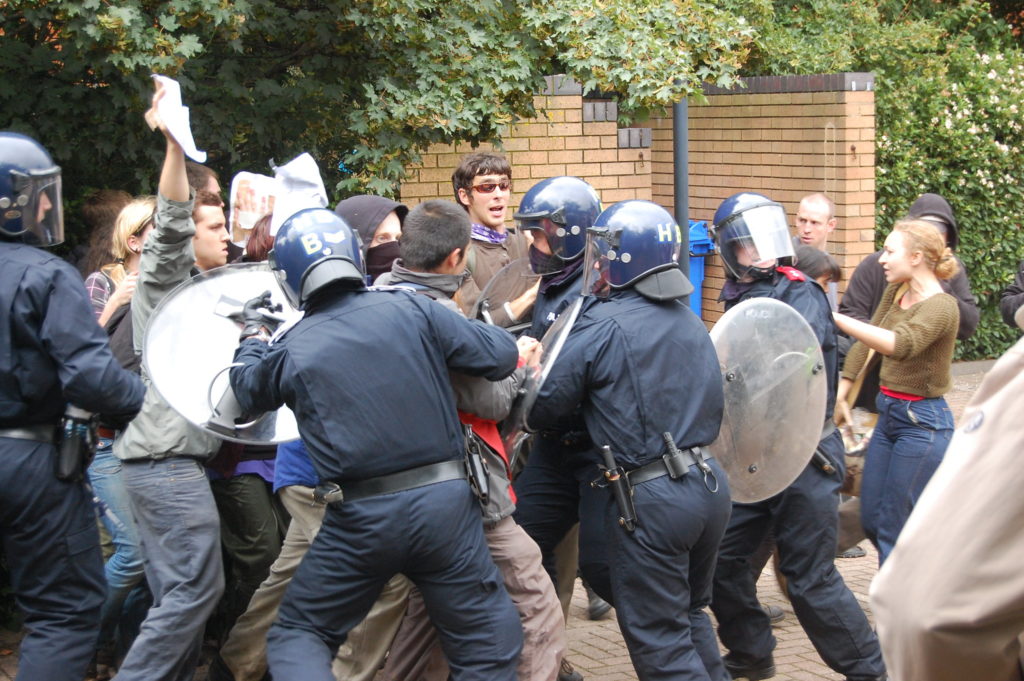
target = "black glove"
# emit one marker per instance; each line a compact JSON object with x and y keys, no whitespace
{"x":255,"y":320}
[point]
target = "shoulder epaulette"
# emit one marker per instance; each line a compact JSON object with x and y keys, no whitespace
{"x":792,"y":273}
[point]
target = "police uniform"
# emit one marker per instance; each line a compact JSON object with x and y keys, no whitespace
{"x":803,"y":520}
{"x":53,"y":352}
{"x":640,"y":369}
{"x":560,"y":461}
{"x":366,"y":373}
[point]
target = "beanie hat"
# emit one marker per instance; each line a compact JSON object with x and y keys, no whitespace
{"x":364,"y":213}
{"x":937,"y":208}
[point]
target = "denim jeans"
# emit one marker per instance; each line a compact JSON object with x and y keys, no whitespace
{"x":907,"y":446}
{"x":179,"y":532}
{"x":124,"y":569}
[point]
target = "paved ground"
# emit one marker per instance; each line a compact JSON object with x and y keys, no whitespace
{"x":596,"y":648}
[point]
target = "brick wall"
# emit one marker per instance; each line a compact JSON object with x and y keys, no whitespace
{"x":784,"y":137}
{"x":781,"y":136}
{"x":567,"y":138}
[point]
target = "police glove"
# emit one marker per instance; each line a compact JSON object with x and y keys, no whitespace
{"x":257,"y":322}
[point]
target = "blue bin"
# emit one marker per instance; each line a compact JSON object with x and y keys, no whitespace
{"x":700,"y":245}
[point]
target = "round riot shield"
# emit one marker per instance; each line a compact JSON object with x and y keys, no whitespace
{"x":514,"y":429}
{"x":190,"y":344}
{"x":513,"y":282}
{"x":775,"y":388}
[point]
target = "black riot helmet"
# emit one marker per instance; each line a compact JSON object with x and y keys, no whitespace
{"x":30,"y":197}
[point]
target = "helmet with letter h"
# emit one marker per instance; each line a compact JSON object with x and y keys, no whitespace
{"x":635,"y":244}
{"x":30,"y":197}
{"x":562,"y":208}
{"x":313,"y":249}
{"x":752,"y":235}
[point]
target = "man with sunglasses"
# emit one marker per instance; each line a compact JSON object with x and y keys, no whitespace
{"x":482,"y":183}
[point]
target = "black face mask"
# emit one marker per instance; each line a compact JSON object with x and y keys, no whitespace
{"x":379,"y":258}
{"x":542,"y":263}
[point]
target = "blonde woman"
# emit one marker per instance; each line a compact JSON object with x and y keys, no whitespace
{"x":113,"y":284}
{"x":914,"y":330}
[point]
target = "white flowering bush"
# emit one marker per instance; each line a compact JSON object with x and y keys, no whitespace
{"x":954,"y":128}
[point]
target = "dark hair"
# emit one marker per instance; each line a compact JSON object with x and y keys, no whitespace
{"x":205,"y":198}
{"x":816,"y":263}
{"x":260,"y":241}
{"x":479,"y":163}
{"x":431,"y":231}
{"x":100,"y":209}
{"x":199,"y":175}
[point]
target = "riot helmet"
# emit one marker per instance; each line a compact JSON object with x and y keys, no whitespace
{"x":30,"y":196}
{"x":313,"y":249}
{"x":752,"y":234}
{"x":635,"y":244}
{"x":563,"y":208}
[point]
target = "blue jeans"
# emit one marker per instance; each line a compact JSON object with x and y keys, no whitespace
{"x":179,"y":531}
{"x":124,"y":569}
{"x":907,"y":446}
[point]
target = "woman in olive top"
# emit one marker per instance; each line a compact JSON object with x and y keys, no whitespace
{"x":914,"y":330}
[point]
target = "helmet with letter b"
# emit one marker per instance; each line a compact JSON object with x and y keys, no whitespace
{"x":752,"y":235}
{"x":563,"y":208}
{"x":313,"y":249}
{"x":635,"y":244}
{"x":30,"y":196}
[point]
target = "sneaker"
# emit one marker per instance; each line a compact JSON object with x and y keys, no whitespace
{"x":597,"y":607}
{"x":742,"y":666}
{"x":566,"y":672}
{"x":854,"y":552}
{"x":774,"y":612}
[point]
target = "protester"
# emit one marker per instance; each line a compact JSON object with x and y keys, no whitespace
{"x":379,"y":223}
{"x":914,"y":330}
{"x":170,"y":496}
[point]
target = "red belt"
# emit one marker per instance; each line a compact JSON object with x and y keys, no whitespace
{"x":106,"y":433}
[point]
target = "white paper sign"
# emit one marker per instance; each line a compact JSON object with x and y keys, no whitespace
{"x":175,"y":117}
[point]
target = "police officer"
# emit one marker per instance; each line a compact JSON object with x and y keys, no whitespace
{"x":558,"y":211}
{"x":641,"y":369}
{"x":366,"y":373}
{"x":752,"y":236}
{"x":53,"y":354}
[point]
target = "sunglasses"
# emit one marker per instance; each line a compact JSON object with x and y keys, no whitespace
{"x":488,"y":187}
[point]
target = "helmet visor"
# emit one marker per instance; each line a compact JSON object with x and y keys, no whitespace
{"x":761,"y":244}
{"x":35,"y":212}
{"x":598,"y":253}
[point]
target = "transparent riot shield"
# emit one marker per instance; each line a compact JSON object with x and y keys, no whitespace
{"x":514,"y":428}
{"x":190,"y":345}
{"x":773,"y":373}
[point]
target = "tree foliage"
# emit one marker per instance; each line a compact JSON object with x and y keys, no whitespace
{"x":949,"y":91}
{"x":363,"y":85}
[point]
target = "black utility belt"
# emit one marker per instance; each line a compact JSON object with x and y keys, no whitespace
{"x":674,"y":465}
{"x":339,"y":492}
{"x":44,"y":433}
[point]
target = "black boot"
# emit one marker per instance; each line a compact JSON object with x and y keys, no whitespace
{"x":742,"y":666}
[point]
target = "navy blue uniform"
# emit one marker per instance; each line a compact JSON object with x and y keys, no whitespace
{"x":561,"y":459}
{"x":366,"y":374}
{"x":637,"y":369}
{"x":803,"y":520}
{"x":51,"y":352}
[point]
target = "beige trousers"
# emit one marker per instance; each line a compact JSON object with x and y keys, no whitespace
{"x":364,"y":650}
{"x":949,"y":601}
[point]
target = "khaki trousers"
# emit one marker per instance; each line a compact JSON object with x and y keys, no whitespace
{"x":364,"y":650}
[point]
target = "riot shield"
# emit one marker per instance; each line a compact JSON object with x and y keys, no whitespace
{"x":514,"y":428}
{"x":190,"y":345}
{"x":512,"y":282}
{"x":773,"y":374}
